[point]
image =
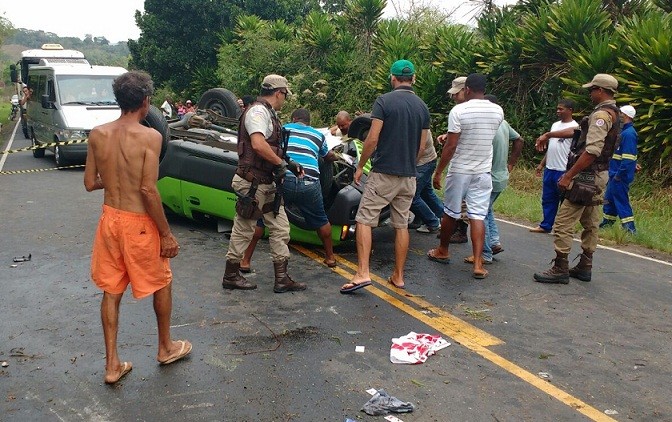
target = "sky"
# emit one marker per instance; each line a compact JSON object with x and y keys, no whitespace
{"x":115,"y":20}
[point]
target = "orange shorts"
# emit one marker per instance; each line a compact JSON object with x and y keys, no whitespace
{"x":127,"y":249}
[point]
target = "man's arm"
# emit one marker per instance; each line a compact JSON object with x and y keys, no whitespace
{"x":516,"y":151}
{"x":541,"y":142}
{"x":151,"y":198}
{"x":92,"y":180}
{"x":423,"y":142}
{"x":540,"y":167}
{"x":264,"y":150}
{"x":446,"y":155}
{"x":370,"y":144}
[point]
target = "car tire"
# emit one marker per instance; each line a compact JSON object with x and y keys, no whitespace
{"x":156,"y":120}
{"x":326,"y":177}
{"x":58,"y":157}
{"x":37,"y":153}
{"x":220,"y":100}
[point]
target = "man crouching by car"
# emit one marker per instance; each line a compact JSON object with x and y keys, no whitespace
{"x":258,"y":181}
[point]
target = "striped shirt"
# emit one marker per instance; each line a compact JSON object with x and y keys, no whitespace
{"x":306,"y":145}
{"x":477,"y":122}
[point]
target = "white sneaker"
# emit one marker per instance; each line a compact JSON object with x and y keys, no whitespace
{"x":425,"y":229}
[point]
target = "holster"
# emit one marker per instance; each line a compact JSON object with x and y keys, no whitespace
{"x":247,"y":206}
{"x":583,"y":190}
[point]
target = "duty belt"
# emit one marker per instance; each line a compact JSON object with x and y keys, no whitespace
{"x":248,"y":175}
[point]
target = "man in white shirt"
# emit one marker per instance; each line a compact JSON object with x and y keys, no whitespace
{"x":554,"y":165}
{"x":471,"y":128}
{"x":167,"y":109}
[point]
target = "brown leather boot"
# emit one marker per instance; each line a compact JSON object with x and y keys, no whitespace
{"x":283,"y":282}
{"x":233,"y":280}
{"x":583,"y":270}
{"x":559,"y":273}
{"x":460,"y":235}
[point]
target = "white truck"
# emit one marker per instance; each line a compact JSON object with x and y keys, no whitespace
{"x":69,"y":97}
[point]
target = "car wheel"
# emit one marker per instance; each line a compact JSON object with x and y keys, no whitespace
{"x":58,"y":157}
{"x":220,"y":100}
{"x":37,"y":153}
{"x":326,"y":177}
{"x":155,"y":120}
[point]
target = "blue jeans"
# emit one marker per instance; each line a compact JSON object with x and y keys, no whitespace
{"x":550,"y":197}
{"x":491,"y":229}
{"x":426,"y":205}
{"x":307,"y":196}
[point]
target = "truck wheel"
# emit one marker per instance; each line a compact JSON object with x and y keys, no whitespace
{"x":37,"y":153}
{"x":58,"y":157}
{"x":155,"y":120}
{"x":220,"y":100}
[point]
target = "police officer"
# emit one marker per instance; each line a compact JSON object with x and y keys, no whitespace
{"x":584,"y":182}
{"x":261,"y":168}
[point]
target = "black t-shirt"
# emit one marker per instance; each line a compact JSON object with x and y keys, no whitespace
{"x":404,"y":117}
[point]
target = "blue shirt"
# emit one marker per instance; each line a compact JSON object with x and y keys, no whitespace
{"x":305,"y":146}
{"x":624,"y":160}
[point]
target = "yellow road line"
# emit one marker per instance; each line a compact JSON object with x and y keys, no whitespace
{"x":466,"y":334}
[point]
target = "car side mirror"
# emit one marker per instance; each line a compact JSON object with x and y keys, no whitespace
{"x":14,"y":75}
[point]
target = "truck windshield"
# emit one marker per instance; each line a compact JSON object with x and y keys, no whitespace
{"x":88,"y":90}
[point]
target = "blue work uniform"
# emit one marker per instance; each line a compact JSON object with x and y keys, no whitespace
{"x":621,"y":174}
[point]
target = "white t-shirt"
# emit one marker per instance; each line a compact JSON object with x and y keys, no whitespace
{"x":167,"y":109}
{"x":477,"y":122}
{"x":558,"y":148}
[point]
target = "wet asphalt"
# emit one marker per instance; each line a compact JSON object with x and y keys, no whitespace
{"x":604,"y":346}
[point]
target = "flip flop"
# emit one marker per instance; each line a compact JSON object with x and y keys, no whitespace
{"x":330,"y":264}
{"x":184,"y":351}
{"x":245,"y":270}
{"x":355,"y":286}
{"x":125,"y":369}
{"x":480,"y":275}
{"x":430,"y":255}
{"x":389,"y":280}
{"x":470,"y":260}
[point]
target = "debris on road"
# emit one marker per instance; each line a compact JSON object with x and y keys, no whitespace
{"x":382,"y":403}
{"x":359,"y":349}
{"x":415,"y":348}
{"x":4,"y":364}
{"x":546,"y":376}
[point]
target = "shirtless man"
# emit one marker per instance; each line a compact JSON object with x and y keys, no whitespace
{"x":123,"y":159}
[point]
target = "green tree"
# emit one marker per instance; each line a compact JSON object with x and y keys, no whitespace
{"x":179,"y":38}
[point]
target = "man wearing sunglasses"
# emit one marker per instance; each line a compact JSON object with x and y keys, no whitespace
{"x":261,"y":164}
{"x":584,"y":182}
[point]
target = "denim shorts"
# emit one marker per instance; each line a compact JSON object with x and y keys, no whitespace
{"x":306,"y":195}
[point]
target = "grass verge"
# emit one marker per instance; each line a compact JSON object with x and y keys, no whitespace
{"x":652,"y":205}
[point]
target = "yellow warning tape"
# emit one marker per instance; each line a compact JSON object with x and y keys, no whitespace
{"x":53,"y":144}
{"x":40,"y":170}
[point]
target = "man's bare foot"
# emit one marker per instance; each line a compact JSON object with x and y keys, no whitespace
{"x":113,"y":375}
{"x":177,"y":351}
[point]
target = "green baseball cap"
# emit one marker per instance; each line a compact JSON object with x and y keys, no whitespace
{"x":402,"y":68}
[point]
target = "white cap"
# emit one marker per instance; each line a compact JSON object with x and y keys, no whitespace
{"x":629,"y":111}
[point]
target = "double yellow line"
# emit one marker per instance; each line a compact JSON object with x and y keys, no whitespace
{"x":460,"y":331}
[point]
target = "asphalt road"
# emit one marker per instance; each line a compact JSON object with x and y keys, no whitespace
{"x":603,"y":348}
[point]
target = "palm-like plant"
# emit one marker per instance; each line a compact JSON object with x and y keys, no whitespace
{"x":646,"y":61}
{"x":365,"y":16}
{"x":279,"y":30}
{"x":318,"y":35}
